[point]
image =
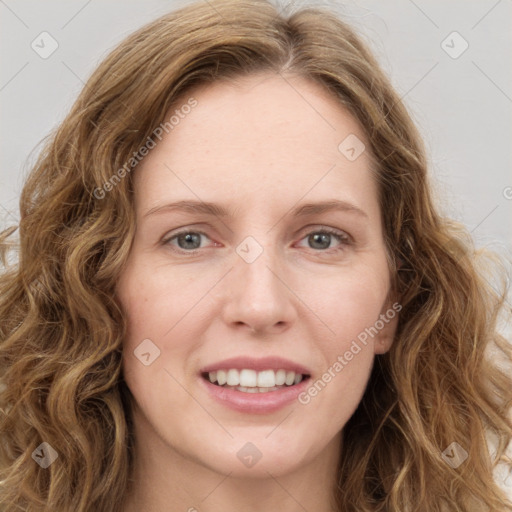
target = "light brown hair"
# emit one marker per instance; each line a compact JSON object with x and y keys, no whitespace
{"x":62,"y":328}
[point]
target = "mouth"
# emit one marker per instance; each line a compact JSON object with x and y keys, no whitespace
{"x":247,"y":380}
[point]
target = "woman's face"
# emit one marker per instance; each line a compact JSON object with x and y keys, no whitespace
{"x":283,"y":273}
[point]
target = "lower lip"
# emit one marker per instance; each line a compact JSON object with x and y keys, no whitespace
{"x":255,"y":403}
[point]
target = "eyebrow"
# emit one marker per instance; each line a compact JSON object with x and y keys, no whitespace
{"x":217,"y":210}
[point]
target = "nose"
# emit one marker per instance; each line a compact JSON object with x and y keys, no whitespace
{"x":257,"y":297}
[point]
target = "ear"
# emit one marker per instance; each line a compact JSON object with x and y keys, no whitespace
{"x":388,"y":320}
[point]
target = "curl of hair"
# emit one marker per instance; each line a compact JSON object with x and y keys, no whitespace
{"x":61,"y":326}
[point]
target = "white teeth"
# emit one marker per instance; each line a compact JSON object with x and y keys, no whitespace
{"x":253,"y":390}
{"x":266,"y":379}
{"x":221,"y":377}
{"x":266,"y":390}
{"x":233,"y":378}
{"x":248,"y":378}
{"x":251,"y":381}
{"x":280,"y":377}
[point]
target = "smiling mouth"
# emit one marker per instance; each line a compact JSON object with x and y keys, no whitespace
{"x":251,"y":381}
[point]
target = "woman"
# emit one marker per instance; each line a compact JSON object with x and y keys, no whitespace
{"x":234,"y":290}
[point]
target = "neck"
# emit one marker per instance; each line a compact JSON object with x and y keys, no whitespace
{"x":163,"y":479}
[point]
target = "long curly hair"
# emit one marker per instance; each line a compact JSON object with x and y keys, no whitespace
{"x":62,"y":327}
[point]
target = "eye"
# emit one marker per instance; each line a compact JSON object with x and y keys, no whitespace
{"x":320,"y":239}
{"x":188,"y":241}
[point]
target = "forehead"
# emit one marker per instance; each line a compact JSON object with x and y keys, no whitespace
{"x":252,"y":138}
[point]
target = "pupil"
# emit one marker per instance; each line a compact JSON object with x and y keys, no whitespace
{"x":190,"y":238}
{"x":322,"y":238}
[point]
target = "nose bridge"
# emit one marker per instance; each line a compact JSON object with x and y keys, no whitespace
{"x":256,"y":270}
{"x":255,"y":266}
{"x":256,"y":293}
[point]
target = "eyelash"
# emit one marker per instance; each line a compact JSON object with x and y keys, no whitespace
{"x":343,"y":238}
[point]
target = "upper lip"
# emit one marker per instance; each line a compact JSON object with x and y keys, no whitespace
{"x":257,"y":364}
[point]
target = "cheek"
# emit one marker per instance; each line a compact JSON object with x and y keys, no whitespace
{"x":157,"y":299}
{"x":161,"y":306}
{"x":333,"y":396}
{"x":351,"y":309}
{"x":354,"y":303}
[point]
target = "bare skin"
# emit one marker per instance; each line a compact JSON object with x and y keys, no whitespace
{"x":260,"y":148}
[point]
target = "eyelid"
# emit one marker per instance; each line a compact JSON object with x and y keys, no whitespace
{"x":343,"y":237}
{"x":328,"y":229}
{"x":166,"y":240}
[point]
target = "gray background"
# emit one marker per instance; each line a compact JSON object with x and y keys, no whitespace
{"x":462,"y":105}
